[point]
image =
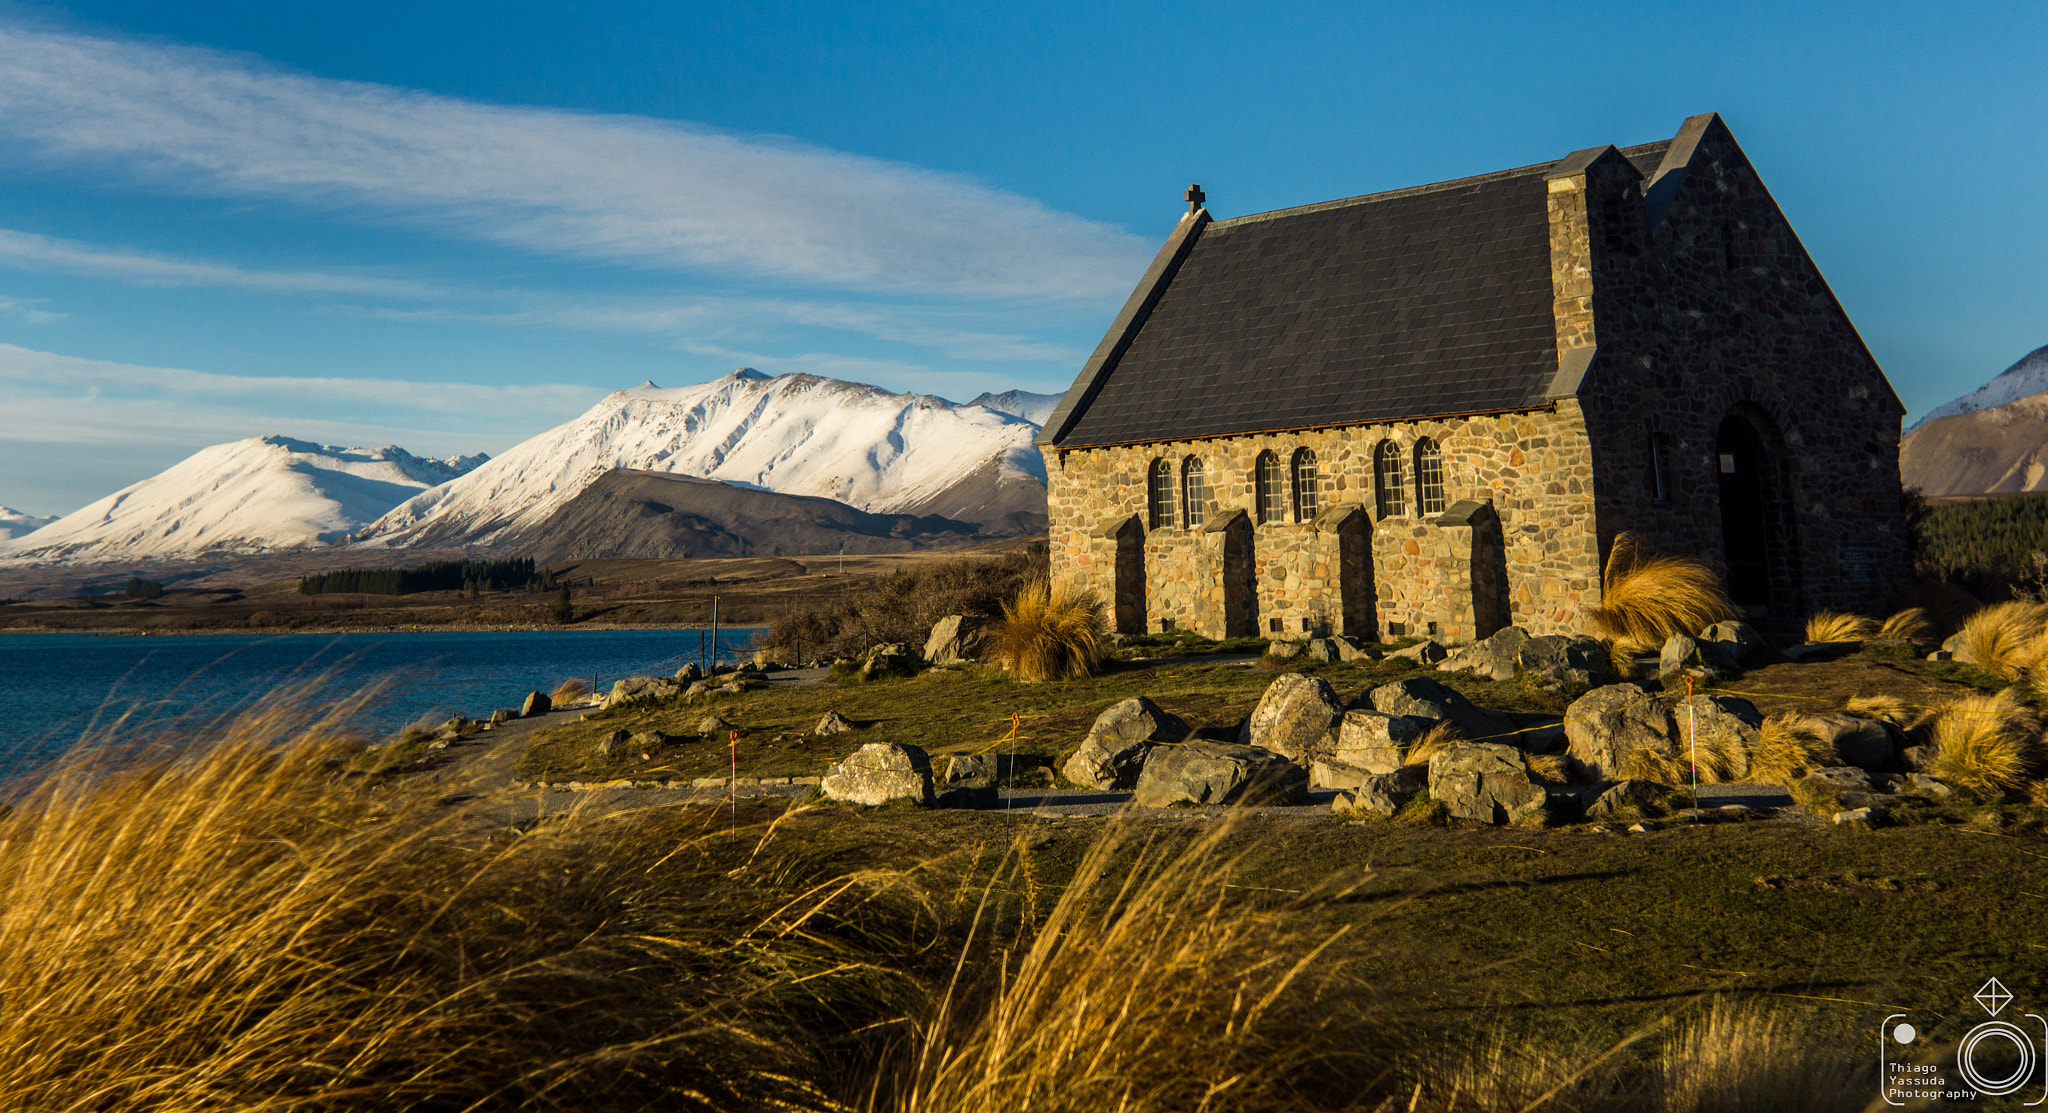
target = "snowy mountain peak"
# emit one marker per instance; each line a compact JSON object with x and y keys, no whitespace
{"x":251,"y":495}
{"x":2028,"y":376}
{"x":15,"y":523}
{"x":795,"y":433}
{"x":1034,"y":408}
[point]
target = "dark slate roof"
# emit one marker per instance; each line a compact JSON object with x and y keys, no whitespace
{"x":1417,"y":303}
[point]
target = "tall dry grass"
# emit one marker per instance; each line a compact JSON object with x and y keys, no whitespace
{"x":1835,"y":626}
{"x":1788,"y":747}
{"x":1152,"y":986}
{"x":1912,"y":624}
{"x":1986,"y":743}
{"x":1646,"y":597}
{"x":1051,"y":631}
{"x":2002,"y":637}
{"x":245,"y":923}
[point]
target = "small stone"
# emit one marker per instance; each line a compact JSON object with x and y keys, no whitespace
{"x":1941,"y":655}
{"x":612,"y":743}
{"x":503,"y":715}
{"x":1285,"y":651}
{"x":833,"y":723}
{"x":711,"y":726}
{"x":1427,"y":653}
{"x":1925,"y":785}
{"x":1638,"y":829}
{"x":1866,"y":817}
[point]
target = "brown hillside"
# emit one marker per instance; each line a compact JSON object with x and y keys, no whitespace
{"x":2002,"y":450}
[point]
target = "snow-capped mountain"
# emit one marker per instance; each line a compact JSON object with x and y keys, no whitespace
{"x":254,"y":495}
{"x":1034,"y":408}
{"x":2028,"y":376}
{"x":795,"y":434}
{"x":15,"y":523}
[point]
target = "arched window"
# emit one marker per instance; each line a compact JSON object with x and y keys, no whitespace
{"x":1194,"y":492}
{"x":1656,"y":480}
{"x":1271,"y":496}
{"x":1304,"y":485}
{"x":1387,"y":482}
{"x":1429,"y":477}
{"x":1159,"y":491}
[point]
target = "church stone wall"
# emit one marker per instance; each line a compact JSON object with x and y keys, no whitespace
{"x":1533,"y":469}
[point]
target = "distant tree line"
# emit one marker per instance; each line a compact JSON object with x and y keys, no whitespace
{"x":471,"y":577}
{"x":139,"y":588}
{"x":1984,"y":545}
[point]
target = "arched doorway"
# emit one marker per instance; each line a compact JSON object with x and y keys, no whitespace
{"x":1240,"y":588}
{"x":1129,"y":605}
{"x":1744,"y":476}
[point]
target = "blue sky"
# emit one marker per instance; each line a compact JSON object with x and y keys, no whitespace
{"x":450,"y":226}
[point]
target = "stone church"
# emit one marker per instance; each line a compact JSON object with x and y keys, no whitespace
{"x":1430,"y":411}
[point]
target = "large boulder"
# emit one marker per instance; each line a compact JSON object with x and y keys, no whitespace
{"x":689,"y":674}
{"x":1607,"y":724}
{"x":955,"y":639}
{"x":1424,"y":698}
{"x":1296,"y":718}
{"x":1680,"y":652}
{"x":1487,"y":783}
{"x":1350,"y":649}
{"x":1114,"y":750}
{"x":1425,"y":653}
{"x":537,"y":703}
{"x":1380,"y":793}
{"x":881,"y":772}
{"x":1628,"y":799}
{"x":1867,"y":744}
{"x":1376,"y":742}
{"x":1213,"y":773}
{"x":1566,"y":659}
{"x":1285,"y":650}
{"x":1728,"y":645}
{"x":1958,"y":648}
{"x":1497,"y":657}
{"x":641,"y":689}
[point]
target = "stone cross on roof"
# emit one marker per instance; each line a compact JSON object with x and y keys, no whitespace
{"x":1195,"y":197}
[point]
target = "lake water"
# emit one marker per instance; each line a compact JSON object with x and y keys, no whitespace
{"x":60,"y":684}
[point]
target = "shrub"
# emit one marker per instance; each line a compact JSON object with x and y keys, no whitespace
{"x":902,"y":606}
{"x":1645,"y":598}
{"x":1834,"y":626}
{"x":1051,"y":632}
{"x":2000,"y":638}
{"x":565,"y":611}
{"x":1909,"y":625}
{"x":1985,"y":743}
{"x":139,"y":588}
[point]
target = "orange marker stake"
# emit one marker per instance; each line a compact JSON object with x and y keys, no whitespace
{"x":1692,"y":716}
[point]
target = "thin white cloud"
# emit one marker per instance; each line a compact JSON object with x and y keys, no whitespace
{"x":29,"y":310}
{"x":38,"y":252}
{"x":615,"y":188}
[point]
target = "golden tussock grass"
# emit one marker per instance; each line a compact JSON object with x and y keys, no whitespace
{"x":1890,"y":709}
{"x":1150,"y":987}
{"x":1834,"y":626}
{"x":1552,"y":769}
{"x":1910,"y":625}
{"x":570,"y":690}
{"x":1986,"y":743}
{"x":1788,"y":747}
{"x":1050,"y":631}
{"x":2001,"y":638}
{"x":1645,"y":598}
{"x":1443,"y":733}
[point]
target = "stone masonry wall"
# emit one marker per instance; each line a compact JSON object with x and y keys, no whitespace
{"x":1718,"y":311}
{"x":1533,"y":468}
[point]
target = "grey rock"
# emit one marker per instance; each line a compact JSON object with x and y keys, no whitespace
{"x":955,"y":639}
{"x":1376,"y":742}
{"x":1727,"y":725}
{"x":1844,"y":778}
{"x":1867,"y":744}
{"x":1324,"y":650}
{"x":1212,"y":773}
{"x":1680,"y":653}
{"x":641,"y":689}
{"x":1487,"y":783}
{"x":697,"y":690}
{"x":711,"y":726}
{"x":1917,"y":758}
{"x":1607,"y":724}
{"x":968,"y":796}
{"x":1958,"y":649}
{"x":689,"y":674}
{"x":1285,"y":651}
{"x":1113,"y":753}
{"x":1426,"y":653}
{"x":880,"y":772}
{"x":735,"y":687}
{"x":536,"y":703}
{"x":1295,"y":718}
{"x":1424,"y":698}
{"x":1728,"y":645}
{"x":1497,"y":657}
{"x":503,"y":715}
{"x":1380,"y":793}
{"x":1566,"y":658}
{"x":1941,"y":655}
{"x":1351,"y":649}
{"x":1861,"y":817}
{"x":614,"y":743}
{"x":1923,"y":785}
{"x":646,"y":742}
{"x":1625,"y":797}
{"x":832,"y":723}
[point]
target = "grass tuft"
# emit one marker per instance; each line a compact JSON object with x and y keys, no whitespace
{"x":1645,"y":598}
{"x":1051,"y":632}
{"x":2000,"y":638}
{"x":1551,"y":769}
{"x":1788,"y":747}
{"x":570,"y":690}
{"x":1985,"y":743}
{"x":1890,"y":709}
{"x":1912,"y":624}
{"x":1834,"y":626}
{"x":1443,"y":733}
